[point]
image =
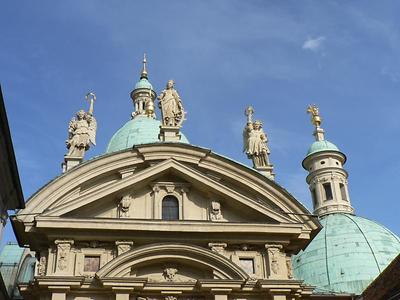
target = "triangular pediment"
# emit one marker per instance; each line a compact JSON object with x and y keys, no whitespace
{"x":173,"y":173}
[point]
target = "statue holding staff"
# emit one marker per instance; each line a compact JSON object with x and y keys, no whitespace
{"x":82,"y":130}
{"x":255,"y":141}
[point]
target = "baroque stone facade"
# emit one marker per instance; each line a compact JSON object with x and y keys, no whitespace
{"x":164,"y":221}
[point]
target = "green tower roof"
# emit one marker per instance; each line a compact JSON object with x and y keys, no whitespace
{"x":319,"y":146}
{"x":139,"y":130}
{"x":346,"y":255}
{"x":143,"y":83}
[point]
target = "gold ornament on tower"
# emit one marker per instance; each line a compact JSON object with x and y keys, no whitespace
{"x":316,"y":119}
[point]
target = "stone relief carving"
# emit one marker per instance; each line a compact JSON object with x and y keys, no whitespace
{"x":82,"y":130}
{"x":217,"y":247}
{"x":42,"y":265}
{"x":170,"y":298}
{"x":274,"y":260}
{"x":63,"y":250}
{"x":215,"y":212}
{"x":123,"y":246}
{"x":170,"y":103}
{"x":169,"y":273}
{"x":170,"y":189}
{"x":255,"y":141}
{"x":124,"y":205}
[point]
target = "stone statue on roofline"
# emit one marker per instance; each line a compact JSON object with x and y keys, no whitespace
{"x":170,"y":103}
{"x":82,"y":131}
{"x":255,"y":144}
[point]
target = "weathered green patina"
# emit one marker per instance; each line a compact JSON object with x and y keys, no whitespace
{"x":138,"y":131}
{"x":319,"y":146}
{"x":346,"y":255}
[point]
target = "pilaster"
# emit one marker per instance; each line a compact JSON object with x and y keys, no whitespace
{"x":276,"y":262}
{"x":64,"y":262}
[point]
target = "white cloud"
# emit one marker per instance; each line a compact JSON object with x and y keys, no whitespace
{"x":313,"y":44}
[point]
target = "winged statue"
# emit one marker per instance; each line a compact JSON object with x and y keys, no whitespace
{"x":82,"y":130}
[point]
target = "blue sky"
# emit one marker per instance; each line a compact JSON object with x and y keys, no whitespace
{"x":278,"y":56}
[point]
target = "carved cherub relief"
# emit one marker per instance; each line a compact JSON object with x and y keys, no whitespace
{"x":169,"y":273}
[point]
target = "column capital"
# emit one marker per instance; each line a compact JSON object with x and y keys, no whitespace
{"x":274,"y":246}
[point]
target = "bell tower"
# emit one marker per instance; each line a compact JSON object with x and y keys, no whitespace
{"x":327,"y":179}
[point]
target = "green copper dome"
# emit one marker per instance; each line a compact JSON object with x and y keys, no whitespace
{"x":143,"y":83}
{"x":319,"y":146}
{"x":16,"y":266}
{"x":346,"y":255}
{"x":140,"y":130}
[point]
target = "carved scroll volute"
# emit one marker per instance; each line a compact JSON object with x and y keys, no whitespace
{"x":276,"y":262}
{"x":64,"y":256}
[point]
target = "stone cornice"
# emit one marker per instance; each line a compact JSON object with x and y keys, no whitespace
{"x":282,"y":233}
{"x":201,"y":157}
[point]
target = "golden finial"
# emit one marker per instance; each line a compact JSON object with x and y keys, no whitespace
{"x":316,"y":119}
{"x":144,"y":71}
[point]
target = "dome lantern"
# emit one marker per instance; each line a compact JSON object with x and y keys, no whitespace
{"x":327,"y":179}
{"x":143,"y":95}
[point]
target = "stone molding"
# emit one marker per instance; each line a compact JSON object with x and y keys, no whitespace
{"x":223,"y":268}
{"x":203,"y":158}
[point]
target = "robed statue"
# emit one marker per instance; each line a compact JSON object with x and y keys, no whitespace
{"x":170,"y":103}
{"x":255,"y":141}
{"x":82,"y":130}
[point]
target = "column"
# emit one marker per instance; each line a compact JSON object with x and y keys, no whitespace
{"x":220,"y":297}
{"x":156,"y":203}
{"x":185,"y":200}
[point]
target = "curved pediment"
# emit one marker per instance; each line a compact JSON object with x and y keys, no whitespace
{"x":172,"y":263}
{"x":91,"y":193}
